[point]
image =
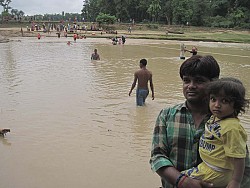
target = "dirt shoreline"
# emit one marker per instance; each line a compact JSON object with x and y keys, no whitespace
{"x":7,"y":33}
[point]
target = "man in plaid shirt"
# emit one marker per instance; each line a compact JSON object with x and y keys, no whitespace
{"x":178,"y":128}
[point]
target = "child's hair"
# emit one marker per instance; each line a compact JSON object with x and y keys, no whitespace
{"x":196,"y":65}
{"x":233,"y":90}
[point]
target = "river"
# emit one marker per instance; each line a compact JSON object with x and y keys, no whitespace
{"x":72,"y":122}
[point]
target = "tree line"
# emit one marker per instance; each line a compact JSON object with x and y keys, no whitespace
{"x":209,"y":13}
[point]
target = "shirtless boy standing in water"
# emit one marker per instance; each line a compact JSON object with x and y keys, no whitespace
{"x":143,"y":76}
{"x":95,"y":55}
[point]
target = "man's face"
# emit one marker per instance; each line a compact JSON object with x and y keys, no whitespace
{"x":194,"y":88}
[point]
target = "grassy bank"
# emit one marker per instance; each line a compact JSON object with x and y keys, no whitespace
{"x":160,"y":32}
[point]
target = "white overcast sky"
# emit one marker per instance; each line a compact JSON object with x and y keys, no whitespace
{"x":31,"y":7}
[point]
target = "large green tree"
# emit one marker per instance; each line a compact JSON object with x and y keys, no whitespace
{"x":154,"y":9}
{"x":121,"y":9}
{"x":222,"y":13}
{"x":105,"y":19}
{"x":182,"y":11}
{"x":200,"y":11}
{"x":6,"y":8}
{"x":15,"y":12}
{"x":5,"y":5}
{"x":90,"y":10}
{"x":167,"y":11}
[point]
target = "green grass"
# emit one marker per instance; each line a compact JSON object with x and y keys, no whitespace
{"x":232,"y":36}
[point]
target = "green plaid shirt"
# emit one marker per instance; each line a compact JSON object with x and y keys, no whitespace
{"x":175,"y":140}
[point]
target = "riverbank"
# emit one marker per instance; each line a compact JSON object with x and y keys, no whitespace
{"x":167,"y":33}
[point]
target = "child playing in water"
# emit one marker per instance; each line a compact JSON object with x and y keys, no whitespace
{"x":223,"y":145}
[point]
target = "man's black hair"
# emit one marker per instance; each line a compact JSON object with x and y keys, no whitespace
{"x":205,"y":66}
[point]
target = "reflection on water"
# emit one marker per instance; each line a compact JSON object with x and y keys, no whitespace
{"x":72,"y":122}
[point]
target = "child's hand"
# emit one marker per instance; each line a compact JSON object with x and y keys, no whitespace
{"x":233,"y":184}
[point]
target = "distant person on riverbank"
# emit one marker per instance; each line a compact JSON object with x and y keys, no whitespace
{"x":22,"y":31}
{"x":143,"y":76}
{"x":95,"y":55}
{"x":194,"y":50}
{"x":222,"y":146}
{"x":123,"y":39}
{"x":65,"y":34}
{"x":129,"y":29}
{"x":75,"y":37}
{"x":38,"y":36}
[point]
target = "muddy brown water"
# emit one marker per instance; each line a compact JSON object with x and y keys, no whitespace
{"x":71,"y":119}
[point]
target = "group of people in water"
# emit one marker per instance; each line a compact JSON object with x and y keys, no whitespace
{"x":199,"y":142}
{"x":116,"y":40}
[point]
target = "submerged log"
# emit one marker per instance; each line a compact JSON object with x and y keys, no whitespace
{"x":174,"y":32}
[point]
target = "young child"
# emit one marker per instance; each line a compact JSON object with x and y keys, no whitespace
{"x":222,"y":147}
